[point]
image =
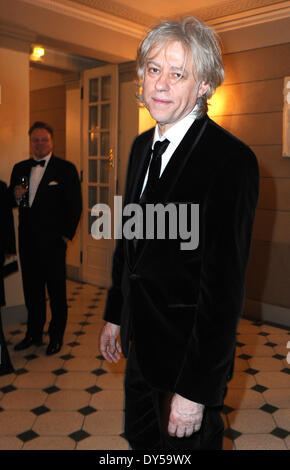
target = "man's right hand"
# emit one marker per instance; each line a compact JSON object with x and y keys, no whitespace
{"x":109,"y":345}
{"x":19,"y":191}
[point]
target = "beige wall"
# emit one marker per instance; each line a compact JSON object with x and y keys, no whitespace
{"x":48,"y":105}
{"x":14,"y":142}
{"x":250,"y":105}
{"x":44,"y":78}
{"x":14,"y":115}
{"x":73,"y":154}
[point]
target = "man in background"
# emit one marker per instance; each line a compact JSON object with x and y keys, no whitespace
{"x":49,"y":212}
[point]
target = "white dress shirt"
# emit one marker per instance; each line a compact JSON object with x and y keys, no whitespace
{"x":36,"y":175}
{"x":175,"y":135}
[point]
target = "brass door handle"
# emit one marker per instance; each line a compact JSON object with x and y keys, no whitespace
{"x":111,"y":158}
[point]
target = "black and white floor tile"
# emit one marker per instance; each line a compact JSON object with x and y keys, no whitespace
{"x":74,"y":400}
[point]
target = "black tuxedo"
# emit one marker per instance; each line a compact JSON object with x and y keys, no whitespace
{"x":56,"y":208}
{"x":181,"y":308}
{"x":54,"y":214}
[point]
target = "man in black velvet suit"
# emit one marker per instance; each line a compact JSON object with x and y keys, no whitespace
{"x":49,"y":213}
{"x":178,"y":309}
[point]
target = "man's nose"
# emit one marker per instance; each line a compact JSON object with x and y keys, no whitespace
{"x":162,"y":82}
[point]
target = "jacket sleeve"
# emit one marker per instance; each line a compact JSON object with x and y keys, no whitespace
{"x":8,"y":245}
{"x":73,"y":201}
{"x":226,"y":227}
{"x":114,"y":303}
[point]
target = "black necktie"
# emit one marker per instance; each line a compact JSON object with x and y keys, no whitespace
{"x":154,"y":170}
{"x":37,"y":162}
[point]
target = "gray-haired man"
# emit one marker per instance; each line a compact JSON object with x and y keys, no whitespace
{"x":178,"y":309}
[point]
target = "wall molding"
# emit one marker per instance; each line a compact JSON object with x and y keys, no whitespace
{"x":117,"y":9}
{"x":15,"y":38}
{"x":253,"y":17}
{"x":226,"y":16}
{"x":234,"y":7}
{"x":98,"y":17}
{"x":262,"y":311}
{"x":225,"y":8}
{"x":14,"y":32}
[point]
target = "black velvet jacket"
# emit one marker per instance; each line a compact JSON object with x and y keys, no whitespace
{"x":182,"y":307}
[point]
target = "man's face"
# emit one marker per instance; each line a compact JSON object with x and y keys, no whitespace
{"x":41,"y":143}
{"x":170,"y":89}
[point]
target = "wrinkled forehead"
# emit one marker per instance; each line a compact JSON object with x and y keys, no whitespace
{"x":174,"y":52}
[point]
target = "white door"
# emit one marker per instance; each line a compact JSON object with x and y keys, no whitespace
{"x":99,"y":163}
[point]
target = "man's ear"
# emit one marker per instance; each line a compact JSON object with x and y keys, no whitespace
{"x":203,"y":87}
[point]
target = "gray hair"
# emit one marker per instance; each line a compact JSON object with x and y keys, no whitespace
{"x":196,"y":37}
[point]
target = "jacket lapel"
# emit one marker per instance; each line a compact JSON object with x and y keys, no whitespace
{"x":178,"y":160}
{"x":141,"y":158}
{"x":142,"y":162}
{"x":27,"y":169}
{"x":169,"y":177}
{"x":44,"y":181}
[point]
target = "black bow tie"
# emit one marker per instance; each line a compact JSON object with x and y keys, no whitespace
{"x":37,"y":162}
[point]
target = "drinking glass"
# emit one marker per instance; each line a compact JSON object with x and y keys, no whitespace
{"x":24,"y":181}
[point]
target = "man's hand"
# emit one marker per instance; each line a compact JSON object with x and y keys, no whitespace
{"x":19,"y":191}
{"x":185,"y":416}
{"x":109,"y":345}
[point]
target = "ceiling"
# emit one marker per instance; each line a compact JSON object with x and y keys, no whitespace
{"x":147,"y":11}
{"x":110,"y":30}
{"x":170,"y":8}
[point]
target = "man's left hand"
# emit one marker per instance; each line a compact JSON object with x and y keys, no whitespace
{"x":185,"y":416}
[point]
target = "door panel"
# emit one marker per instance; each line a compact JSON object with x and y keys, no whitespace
{"x":100,"y":121}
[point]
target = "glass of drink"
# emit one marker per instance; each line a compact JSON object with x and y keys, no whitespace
{"x":24,"y":181}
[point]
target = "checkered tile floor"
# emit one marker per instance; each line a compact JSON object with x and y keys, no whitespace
{"x":74,"y":400}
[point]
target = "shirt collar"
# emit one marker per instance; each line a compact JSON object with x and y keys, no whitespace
{"x":46,"y":158}
{"x":176,"y":133}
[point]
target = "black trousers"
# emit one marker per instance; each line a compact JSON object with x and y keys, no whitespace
{"x":43,"y":266}
{"x":147,"y":412}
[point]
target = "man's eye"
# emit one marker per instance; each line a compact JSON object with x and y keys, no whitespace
{"x":153,"y":70}
{"x":176,"y":75}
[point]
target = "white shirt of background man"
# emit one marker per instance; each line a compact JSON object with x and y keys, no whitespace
{"x":36,"y":175}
